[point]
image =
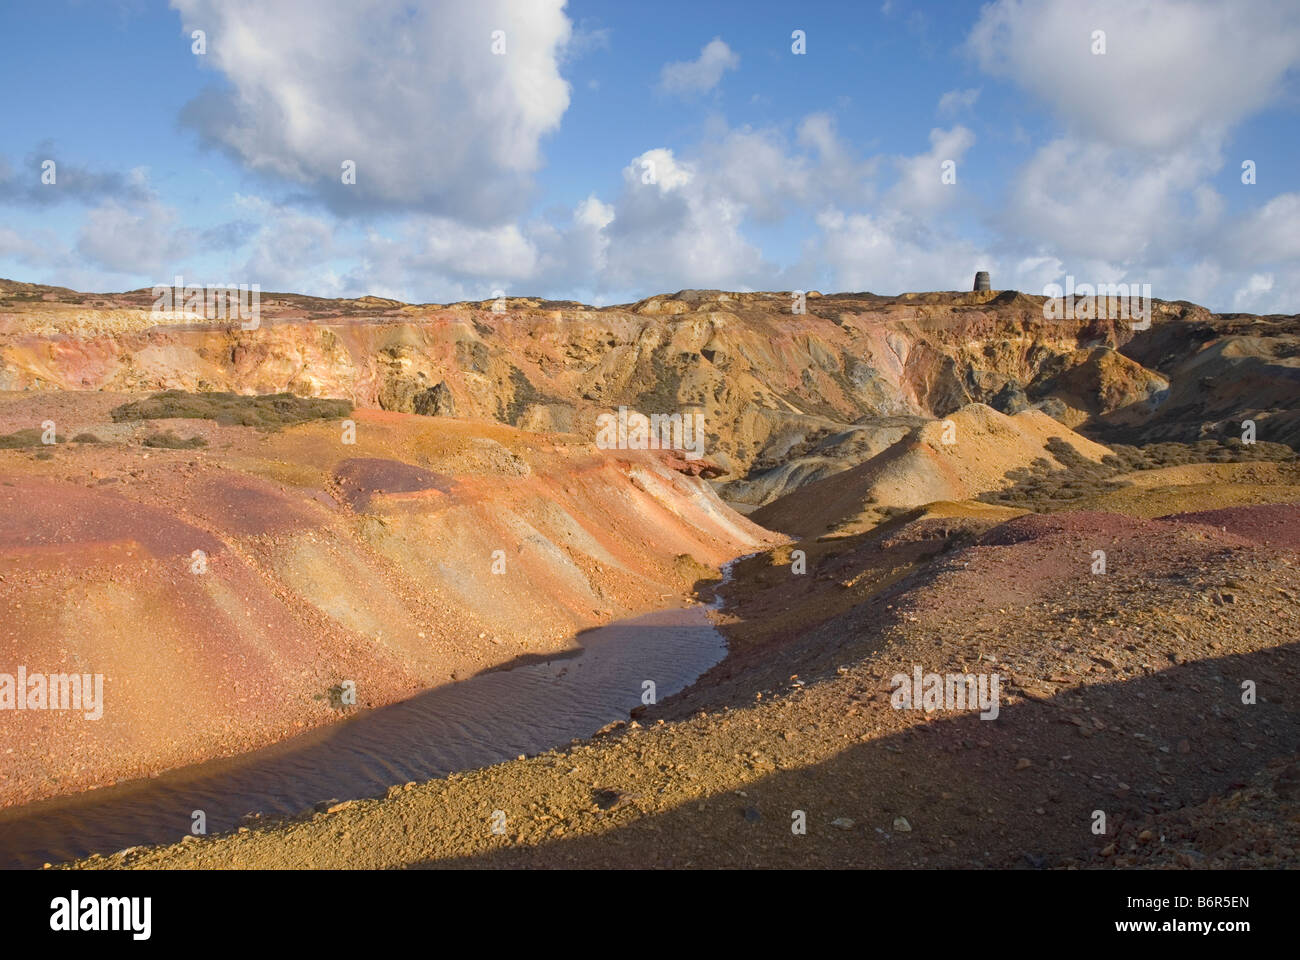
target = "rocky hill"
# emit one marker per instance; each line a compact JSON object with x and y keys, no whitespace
{"x":788,"y":398}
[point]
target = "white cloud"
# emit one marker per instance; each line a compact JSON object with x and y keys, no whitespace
{"x":144,"y":238}
{"x":701,"y":74}
{"x":921,"y":185}
{"x":756,"y":169}
{"x":587,"y":244}
{"x":30,"y":247}
{"x":883,"y":254}
{"x":446,"y":247}
{"x":430,"y":257}
{"x":1248,"y":296}
{"x":1174,"y":71}
{"x":1092,"y":200}
{"x":1125,"y":191}
{"x":660,"y":169}
{"x":592,"y":213}
{"x":289,"y":250}
{"x":1269,"y":234}
{"x":436,"y":120}
{"x":678,"y":230}
{"x":684,"y":221}
{"x":691,"y":227}
{"x":840,"y":175}
{"x":586,"y":39}
{"x":954,"y":101}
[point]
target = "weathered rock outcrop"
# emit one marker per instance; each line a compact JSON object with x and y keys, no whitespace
{"x":773,"y":385}
{"x":437,"y":401}
{"x":958,"y":458}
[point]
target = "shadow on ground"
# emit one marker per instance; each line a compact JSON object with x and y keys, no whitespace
{"x":1130,"y":749}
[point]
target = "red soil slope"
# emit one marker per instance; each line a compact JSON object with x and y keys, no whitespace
{"x":321,"y":562}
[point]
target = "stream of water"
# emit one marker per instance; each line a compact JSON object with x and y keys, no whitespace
{"x":484,"y":720}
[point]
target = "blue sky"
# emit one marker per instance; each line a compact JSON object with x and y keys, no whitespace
{"x":526,"y":170}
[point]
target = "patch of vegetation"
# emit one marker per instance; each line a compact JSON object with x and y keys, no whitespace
{"x":474,"y":354}
{"x":86,"y":438}
{"x":666,"y":383}
{"x":1042,"y":487}
{"x":14,"y":297}
{"x":270,"y":411}
{"x":1214,"y":450}
{"x":524,"y":394}
{"x":21,"y":439}
{"x":339,"y":697}
{"x":699,"y":574}
{"x":169,"y":440}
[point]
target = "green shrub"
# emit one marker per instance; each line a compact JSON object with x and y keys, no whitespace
{"x":266,"y":412}
{"x":1043,"y":487}
{"x":21,"y":439}
{"x":170,"y":441}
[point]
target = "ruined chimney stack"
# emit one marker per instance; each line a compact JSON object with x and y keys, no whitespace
{"x":982,"y":281}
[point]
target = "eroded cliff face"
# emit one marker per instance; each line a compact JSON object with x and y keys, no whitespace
{"x":786,"y":397}
{"x":223,"y":591}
